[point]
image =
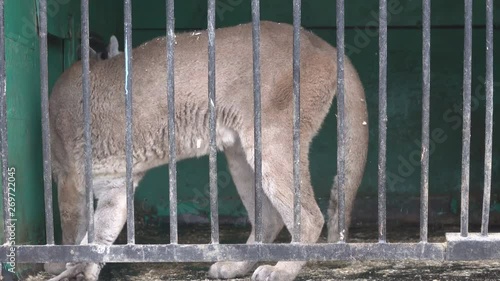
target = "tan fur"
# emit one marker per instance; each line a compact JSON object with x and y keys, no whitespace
{"x":234,"y":92}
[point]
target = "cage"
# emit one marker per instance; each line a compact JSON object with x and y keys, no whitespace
{"x":393,"y":193}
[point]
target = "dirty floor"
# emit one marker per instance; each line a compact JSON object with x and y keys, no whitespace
{"x":339,"y":270}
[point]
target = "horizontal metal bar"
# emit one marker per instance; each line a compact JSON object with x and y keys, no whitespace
{"x":474,"y":247}
{"x":226,"y":252}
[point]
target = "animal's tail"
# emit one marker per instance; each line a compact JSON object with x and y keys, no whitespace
{"x":356,"y":148}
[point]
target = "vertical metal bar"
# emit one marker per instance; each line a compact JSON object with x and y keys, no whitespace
{"x":4,"y":149}
{"x":464,"y":222}
{"x":171,"y":122}
{"x":341,"y":118}
{"x":296,"y":118}
{"x":44,"y":91}
{"x":382,"y":121}
{"x":257,"y":119}
{"x":426,"y":90}
{"x":4,"y":152}
{"x":86,"y":118}
{"x":128,"y":116}
{"x":214,"y":214}
{"x":489,"y":118}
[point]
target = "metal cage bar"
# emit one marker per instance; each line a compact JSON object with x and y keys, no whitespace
{"x":4,"y":147}
{"x":44,"y":92}
{"x":4,"y":150}
{"x":467,"y":80}
{"x":172,"y":158}
{"x":426,"y":90}
{"x":296,"y":120}
{"x":257,"y":119}
{"x":212,"y":112}
{"x":488,"y":147}
{"x":341,"y":119}
{"x":236,"y":252}
{"x":382,"y":121}
{"x":85,"y":55}
{"x":128,"y":119}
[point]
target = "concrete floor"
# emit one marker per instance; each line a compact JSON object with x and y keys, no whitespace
{"x":339,"y":270}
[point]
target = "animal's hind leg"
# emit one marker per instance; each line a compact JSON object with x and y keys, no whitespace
{"x":333,"y":210}
{"x":278,"y":186}
{"x":71,"y":200}
{"x":243,"y":177}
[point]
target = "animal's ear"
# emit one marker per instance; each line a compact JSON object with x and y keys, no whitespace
{"x":93,"y":55}
{"x":113,"y":47}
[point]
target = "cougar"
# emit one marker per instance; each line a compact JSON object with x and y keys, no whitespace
{"x":235,"y":133}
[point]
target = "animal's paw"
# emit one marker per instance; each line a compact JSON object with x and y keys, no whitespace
{"x":54,"y":268}
{"x":271,"y":273}
{"x":80,"y":271}
{"x":226,"y":270}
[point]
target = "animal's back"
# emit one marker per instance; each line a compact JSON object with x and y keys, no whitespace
{"x":234,"y":94}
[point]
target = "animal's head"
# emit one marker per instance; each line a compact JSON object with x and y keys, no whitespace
{"x":98,"y":50}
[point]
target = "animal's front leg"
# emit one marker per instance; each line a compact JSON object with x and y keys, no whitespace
{"x":73,"y":214}
{"x":109,"y":219}
{"x":77,"y":270}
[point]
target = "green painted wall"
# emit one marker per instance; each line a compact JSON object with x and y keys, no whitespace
{"x":23,"y":103}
